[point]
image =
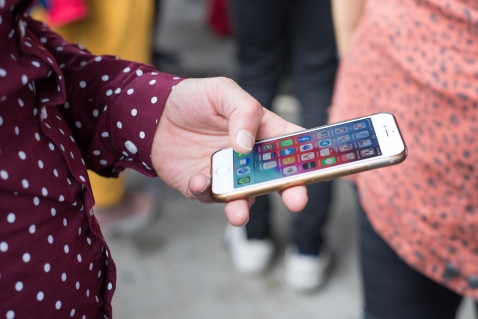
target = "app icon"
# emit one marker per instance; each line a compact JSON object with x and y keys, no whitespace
{"x":290,"y":170}
{"x":325,"y":152}
{"x":268,"y":156}
{"x":243,"y":171}
{"x":344,"y":138}
{"x":307,"y":156}
{"x":243,"y":161}
{"x":341,"y":130}
{"x":285,"y":143}
{"x":347,"y":157}
{"x":288,"y":160}
{"x":323,"y":134}
{"x":240,"y":155}
{"x":243,"y":180}
{"x":367,"y":152}
{"x":309,"y":165}
{"x":269,"y":165}
{"x":267,"y":147}
{"x":325,"y":143}
{"x":346,"y":147}
{"x":303,"y":139}
{"x":359,"y":126}
{"x":287,"y":151}
{"x":364,"y":143}
{"x":305,"y":147}
{"x":329,"y":161}
{"x":361,"y":134}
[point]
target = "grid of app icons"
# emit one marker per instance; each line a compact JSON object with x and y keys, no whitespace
{"x":313,"y":150}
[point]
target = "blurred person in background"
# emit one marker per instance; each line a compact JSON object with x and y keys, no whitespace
{"x":418,"y":220}
{"x":122,"y":28}
{"x":276,"y":37}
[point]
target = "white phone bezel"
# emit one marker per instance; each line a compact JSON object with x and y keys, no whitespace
{"x":386,"y":130}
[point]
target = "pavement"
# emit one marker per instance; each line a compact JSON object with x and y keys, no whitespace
{"x":178,"y":267}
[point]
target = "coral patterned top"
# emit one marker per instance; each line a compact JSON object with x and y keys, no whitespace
{"x":418,"y":59}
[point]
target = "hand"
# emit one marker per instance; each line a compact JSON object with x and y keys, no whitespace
{"x":202,"y":116}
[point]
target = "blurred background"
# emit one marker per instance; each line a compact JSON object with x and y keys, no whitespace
{"x":173,"y":263}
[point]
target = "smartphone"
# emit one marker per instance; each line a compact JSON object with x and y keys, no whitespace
{"x":309,"y":156}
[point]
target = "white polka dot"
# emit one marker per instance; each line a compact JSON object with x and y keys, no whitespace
{"x":98,"y":59}
{"x":91,"y":266}
{"x":72,"y":312}
{"x":109,"y":92}
{"x":50,"y":239}
{"x":134,"y":112}
{"x":1,"y":121}
{"x":51,"y":146}
{"x":4,"y":175}
{"x":68,"y":180}
{"x":82,"y":84}
{"x":110,"y":286}
{"x":40,"y":296}
{"x":36,"y":64}
{"x":139,"y":72}
{"x":3,"y":246}
{"x":119,"y":125}
{"x":3,"y":72}
{"x":141,"y":134}
{"x":79,"y":258}
{"x":22,"y":155}
{"x":78,"y":124}
{"x":25,"y":183}
{"x":61,"y":198}
{"x":11,"y":218}
{"x":95,"y":113}
{"x":105,"y":78}
{"x":36,"y":201}
{"x":19,"y":286}
{"x":105,"y":134}
{"x":87,"y":292}
{"x":17,"y":130}
{"x":131,"y":147}
{"x":24,"y":79}
{"x":44,"y":191}
{"x":65,"y":222}
{"x":88,"y":240}
{"x":99,"y":274}
{"x":105,"y":108}
{"x":55,"y":172}
{"x":130,"y":91}
{"x":58,"y":304}
{"x":118,"y":91}
{"x":154,"y":100}
{"x":26,"y":257}
{"x":47,"y":267}
{"x":37,"y":136}
{"x":176,"y":78}
{"x":126,"y":70}
{"x":152,"y":82}
{"x":32,"y":229}
{"x":103,"y":162}
{"x":20,"y":102}
{"x":63,"y":277}
{"x":66,"y":249}
{"x":10,"y":314}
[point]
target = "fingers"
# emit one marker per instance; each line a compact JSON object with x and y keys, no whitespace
{"x":237,"y":212}
{"x":199,"y":187}
{"x":243,"y":112}
{"x":295,"y":198}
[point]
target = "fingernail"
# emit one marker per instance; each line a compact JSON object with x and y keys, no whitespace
{"x":245,"y":139}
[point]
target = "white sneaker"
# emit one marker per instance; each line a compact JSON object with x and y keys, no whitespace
{"x":306,"y":273}
{"x":249,"y":257}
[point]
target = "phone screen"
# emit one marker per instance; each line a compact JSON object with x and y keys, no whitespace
{"x":313,"y":150}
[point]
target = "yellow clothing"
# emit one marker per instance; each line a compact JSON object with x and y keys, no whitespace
{"x":113,"y":27}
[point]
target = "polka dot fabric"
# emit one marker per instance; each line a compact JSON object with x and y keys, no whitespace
{"x":63,"y":111}
{"x":418,"y":60}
